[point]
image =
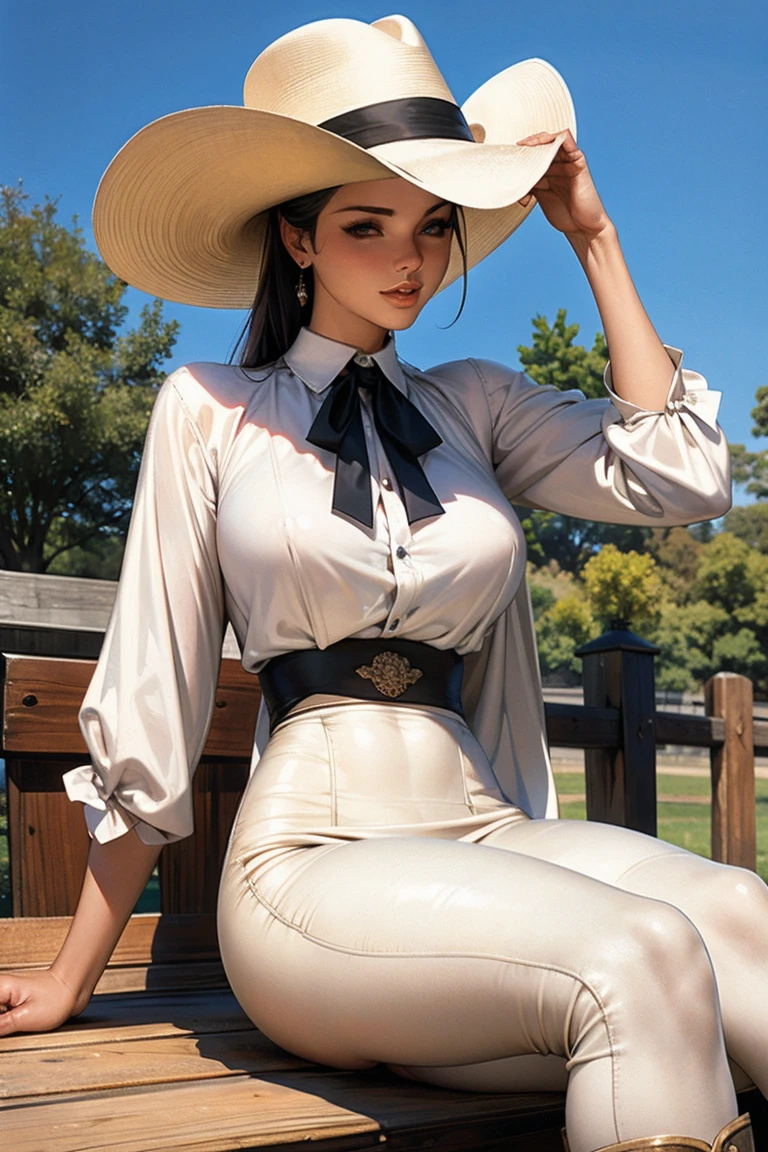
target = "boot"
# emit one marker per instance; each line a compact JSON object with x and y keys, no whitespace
{"x":735,"y":1137}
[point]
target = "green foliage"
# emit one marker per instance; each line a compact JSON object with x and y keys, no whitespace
{"x":686,"y":636}
{"x":553,"y":358}
{"x":570,"y":542}
{"x":750,"y":524}
{"x":760,"y":412}
{"x":750,"y":470}
{"x":560,"y":630}
{"x":75,"y":391}
{"x":678,"y":554}
{"x":623,"y":586}
{"x":729,"y":573}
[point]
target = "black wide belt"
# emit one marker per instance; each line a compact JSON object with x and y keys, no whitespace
{"x":394,"y":671}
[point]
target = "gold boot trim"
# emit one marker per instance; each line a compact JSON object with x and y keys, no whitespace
{"x":735,"y":1137}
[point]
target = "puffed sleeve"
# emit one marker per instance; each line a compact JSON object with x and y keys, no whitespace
{"x":147,"y":711}
{"x":608,"y":459}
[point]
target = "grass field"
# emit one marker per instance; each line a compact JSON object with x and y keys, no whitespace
{"x":683,"y":820}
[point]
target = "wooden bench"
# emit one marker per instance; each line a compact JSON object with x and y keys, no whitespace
{"x":163,"y":1058}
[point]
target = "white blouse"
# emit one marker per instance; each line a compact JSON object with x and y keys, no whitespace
{"x":233,"y":519}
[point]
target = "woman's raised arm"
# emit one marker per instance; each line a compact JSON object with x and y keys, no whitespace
{"x":641,"y":369}
{"x":114,"y":879}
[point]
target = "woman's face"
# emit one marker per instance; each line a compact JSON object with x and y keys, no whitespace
{"x":381,"y":251}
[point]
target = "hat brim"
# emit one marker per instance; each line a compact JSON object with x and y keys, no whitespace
{"x":180,"y":212}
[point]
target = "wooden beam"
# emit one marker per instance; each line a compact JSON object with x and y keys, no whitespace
{"x":620,"y":777}
{"x":42,"y":697}
{"x":34,"y":941}
{"x":689,"y":731}
{"x":734,"y":837}
{"x":580,"y":726}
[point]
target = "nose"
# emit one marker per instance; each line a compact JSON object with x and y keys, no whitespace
{"x":409,"y":257}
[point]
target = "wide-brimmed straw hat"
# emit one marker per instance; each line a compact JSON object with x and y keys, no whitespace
{"x":181,"y":211}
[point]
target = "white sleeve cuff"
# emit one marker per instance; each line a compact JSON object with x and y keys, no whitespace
{"x":106,"y":819}
{"x":688,"y":391}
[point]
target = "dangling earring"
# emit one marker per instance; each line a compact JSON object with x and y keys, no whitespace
{"x":301,"y":290}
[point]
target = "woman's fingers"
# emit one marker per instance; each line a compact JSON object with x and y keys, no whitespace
{"x":33,"y":1002}
{"x":568,"y":143}
{"x":9,"y":1006}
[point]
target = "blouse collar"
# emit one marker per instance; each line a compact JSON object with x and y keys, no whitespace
{"x":317,"y":360}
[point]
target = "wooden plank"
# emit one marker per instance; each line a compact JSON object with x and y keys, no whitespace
{"x":211,"y":1116}
{"x":61,"y":615}
{"x":136,"y":1017}
{"x":35,"y":942}
{"x":690,"y":731}
{"x":42,"y":697}
{"x":164,"y":977}
{"x":190,"y":869}
{"x":58,"y":601}
{"x":47,"y":839}
{"x":280,"y":1109}
{"x":579,"y":726}
{"x":760,"y":729}
{"x":734,"y":836}
{"x":107,"y":1066}
{"x":621,"y":780}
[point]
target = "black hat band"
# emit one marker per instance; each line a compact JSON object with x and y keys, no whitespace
{"x":414,"y":118}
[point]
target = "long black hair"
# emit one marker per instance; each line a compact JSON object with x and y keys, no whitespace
{"x":277,"y":316}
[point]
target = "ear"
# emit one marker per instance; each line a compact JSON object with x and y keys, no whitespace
{"x":294,"y":240}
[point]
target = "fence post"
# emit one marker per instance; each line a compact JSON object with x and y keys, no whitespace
{"x":734,"y":835}
{"x":621,"y":782}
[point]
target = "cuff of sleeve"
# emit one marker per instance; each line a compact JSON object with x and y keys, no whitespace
{"x":105,"y":819}
{"x":688,"y":391}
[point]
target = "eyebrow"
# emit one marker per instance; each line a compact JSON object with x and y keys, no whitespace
{"x":373,"y":211}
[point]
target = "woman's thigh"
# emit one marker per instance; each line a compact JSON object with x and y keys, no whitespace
{"x":603,"y":852}
{"x":422,"y":952}
{"x":728,"y":906}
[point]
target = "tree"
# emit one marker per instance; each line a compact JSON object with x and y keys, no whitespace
{"x":75,"y":391}
{"x":560,"y":630}
{"x":686,"y":636}
{"x":623,"y":586}
{"x":749,"y":523}
{"x":553,"y":358}
{"x":678,"y":554}
{"x":750,"y":469}
{"x":570,"y":542}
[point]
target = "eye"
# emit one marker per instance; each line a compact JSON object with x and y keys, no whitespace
{"x":362,"y":228}
{"x":438,"y":227}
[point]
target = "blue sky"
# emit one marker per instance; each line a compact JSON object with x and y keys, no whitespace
{"x":672,"y":105}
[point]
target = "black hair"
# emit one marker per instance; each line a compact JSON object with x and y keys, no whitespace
{"x":277,"y":316}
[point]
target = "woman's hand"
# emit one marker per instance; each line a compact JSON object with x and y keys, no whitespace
{"x":640,"y":367}
{"x":566,"y":192}
{"x":34,"y":1002}
{"x":114,"y":878}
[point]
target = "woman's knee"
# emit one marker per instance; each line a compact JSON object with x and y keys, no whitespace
{"x":734,"y":905}
{"x":656,"y":948}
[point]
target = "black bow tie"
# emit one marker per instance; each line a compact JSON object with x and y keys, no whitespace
{"x":405,"y":435}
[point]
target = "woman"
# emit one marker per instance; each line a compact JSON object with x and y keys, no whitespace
{"x":391,"y":892}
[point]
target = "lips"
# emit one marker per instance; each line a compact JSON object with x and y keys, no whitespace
{"x":405,"y":293}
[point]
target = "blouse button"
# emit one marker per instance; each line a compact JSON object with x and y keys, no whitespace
{"x":387,"y":483}
{"x":394,"y":625}
{"x":401,"y":553}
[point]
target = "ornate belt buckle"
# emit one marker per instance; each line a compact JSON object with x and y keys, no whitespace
{"x":391,"y":673}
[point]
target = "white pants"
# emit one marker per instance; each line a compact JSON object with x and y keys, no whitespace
{"x":381,"y":902}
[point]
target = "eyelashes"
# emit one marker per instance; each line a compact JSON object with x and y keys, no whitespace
{"x":364,"y":228}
